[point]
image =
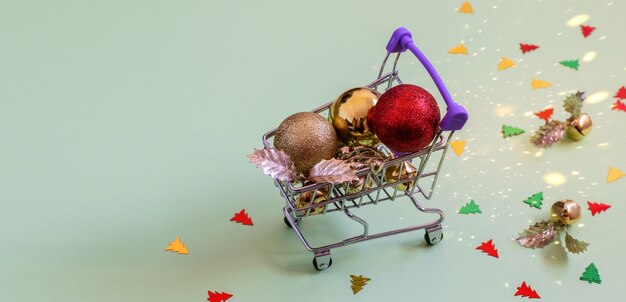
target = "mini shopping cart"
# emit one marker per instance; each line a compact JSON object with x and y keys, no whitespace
{"x":377,"y":186}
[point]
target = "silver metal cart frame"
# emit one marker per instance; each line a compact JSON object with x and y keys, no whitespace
{"x":376,"y":187}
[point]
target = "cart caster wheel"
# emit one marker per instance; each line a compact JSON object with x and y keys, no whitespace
{"x":323,"y":264}
{"x":296,"y":220}
{"x":434,"y":237}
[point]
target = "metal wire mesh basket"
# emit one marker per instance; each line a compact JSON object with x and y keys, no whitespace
{"x":389,"y":182}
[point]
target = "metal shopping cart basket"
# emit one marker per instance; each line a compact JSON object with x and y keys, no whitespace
{"x":378,"y":186}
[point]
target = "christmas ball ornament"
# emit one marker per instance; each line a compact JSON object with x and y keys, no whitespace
{"x":307,"y":138}
{"x":405,"y":119}
{"x":566,"y":211}
{"x":348,"y":115}
{"x":578,"y":127}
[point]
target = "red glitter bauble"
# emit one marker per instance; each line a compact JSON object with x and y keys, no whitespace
{"x":405,"y":119}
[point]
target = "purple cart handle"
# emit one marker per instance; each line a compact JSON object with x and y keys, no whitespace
{"x":456,"y":115}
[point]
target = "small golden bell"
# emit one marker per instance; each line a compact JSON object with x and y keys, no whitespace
{"x":578,"y":127}
{"x":317,"y":196}
{"x":358,"y":185}
{"x":406,"y":170}
{"x":566,"y":211}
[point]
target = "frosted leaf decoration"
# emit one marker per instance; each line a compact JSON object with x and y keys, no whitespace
{"x":575,"y":246}
{"x":537,"y":235}
{"x":548,"y":134}
{"x":275,"y":163}
{"x":332,"y":171}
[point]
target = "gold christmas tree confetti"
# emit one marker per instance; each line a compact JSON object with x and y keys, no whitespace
{"x":177,"y":246}
{"x":458,"y":50}
{"x":458,"y":146}
{"x":358,"y":282}
{"x":614,"y":174}
{"x":537,"y":84}
{"x":466,"y":8}
{"x":505,"y":63}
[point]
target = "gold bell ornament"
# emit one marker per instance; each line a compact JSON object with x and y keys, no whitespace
{"x":312,"y":198}
{"x":563,"y":213}
{"x":402,"y":172}
{"x":577,"y":126}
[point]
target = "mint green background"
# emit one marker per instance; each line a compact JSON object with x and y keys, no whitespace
{"x":125,"y":124}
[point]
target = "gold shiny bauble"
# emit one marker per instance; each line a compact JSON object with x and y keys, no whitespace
{"x":566,"y":211}
{"x":578,"y":127}
{"x":317,"y":196}
{"x":307,"y":138}
{"x":349,"y":116}
{"x":393,"y":174}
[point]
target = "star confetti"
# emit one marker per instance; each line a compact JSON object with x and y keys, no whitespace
{"x":470,"y":208}
{"x":218,"y":297}
{"x":177,"y":246}
{"x":538,"y":84}
{"x":458,"y":50}
{"x":596,"y":207}
{"x":618,"y":105}
{"x":591,"y":274}
{"x":505,"y":63}
{"x":614,"y":174}
{"x":573,"y":64}
{"x":535,"y":200}
{"x":526,"y":291}
{"x":466,"y":8}
{"x":527,"y":47}
{"x":488,"y":248}
{"x":242,"y":217}
{"x":545,"y":114}
{"x":621,"y":93}
{"x":587,"y":30}
{"x":458,"y":146}
{"x":357,"y":283}
{"x":508,"y":131}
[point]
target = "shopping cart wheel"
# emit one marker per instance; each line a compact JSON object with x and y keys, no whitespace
{"x":322,"y":262}
{"x":296,"y":220}
{"x":433,"y":237}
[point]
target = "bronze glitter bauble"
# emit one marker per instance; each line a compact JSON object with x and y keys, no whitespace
{"x":348,"y":115}
{"x":566,"y":211}
{"x":578,"y":127}
{"x":307,"y":138}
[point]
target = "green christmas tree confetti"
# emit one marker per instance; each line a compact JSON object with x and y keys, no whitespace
{"x":573,"y":64}
{"x":535,"y":200}
{"x":470,"y":208}
{"x":508,"y":131}
{"x":591,"y":274}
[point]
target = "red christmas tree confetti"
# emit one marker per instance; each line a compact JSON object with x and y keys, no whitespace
{"x":488,"y":248}
{"x":526,"y":291}
{"x":596,"y":208}
{"x":242,"y":217}
{"x":587,"y":30}
{"x":218,"y":297}
{"x":527,"y":47}
{"x":545,"y":114}
{"x":621,"y":93}
{"x":618,"y":105}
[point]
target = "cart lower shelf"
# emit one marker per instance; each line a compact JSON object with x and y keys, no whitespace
{"x":322,"y":259}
